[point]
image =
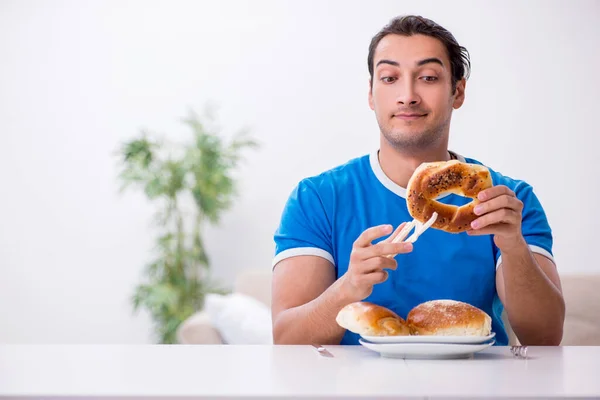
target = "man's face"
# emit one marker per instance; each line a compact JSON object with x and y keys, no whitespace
{"x":411,"y":91}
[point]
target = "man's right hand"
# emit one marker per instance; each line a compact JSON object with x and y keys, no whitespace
{"x":368,"y":262}
{"x":307,"y":297}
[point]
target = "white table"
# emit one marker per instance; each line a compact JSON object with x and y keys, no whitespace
{"x":140,"y":371}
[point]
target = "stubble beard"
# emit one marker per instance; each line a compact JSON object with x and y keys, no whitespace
{"x":414,"y":142}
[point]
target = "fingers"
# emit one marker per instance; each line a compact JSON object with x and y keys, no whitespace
{"x":495,"y":229}
{"x":497,"y":203}
{"x":376,"y":277}
{"x":371,"y":234}
{"x":384,"y":249}
{"x":371,"y":278}
{"x":495,"y":191}
{"x":369,"y":262}
{"x":395,"y":233}
{"x":377,"y":264}
{"x":501,"y":216}
{"x":366,"y":265}
{"x":366,"y":274}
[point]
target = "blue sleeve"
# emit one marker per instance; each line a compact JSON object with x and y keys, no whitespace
{"x":534,"y":223}
{"x":304,"y":228}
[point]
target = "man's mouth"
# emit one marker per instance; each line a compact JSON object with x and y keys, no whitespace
{"x":409,"y":116}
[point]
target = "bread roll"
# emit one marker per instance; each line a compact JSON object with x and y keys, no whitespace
{"x":368,"y":319}
{"x":448,"y":318}
{"x":433,"y":179}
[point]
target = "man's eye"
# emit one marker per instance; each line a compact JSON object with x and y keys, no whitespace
{"x":388,"y":79}
{"x":429,"y":78}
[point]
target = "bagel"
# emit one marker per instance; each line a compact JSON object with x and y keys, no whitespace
{"x":370,"y":319}
{"x":430,"y":180}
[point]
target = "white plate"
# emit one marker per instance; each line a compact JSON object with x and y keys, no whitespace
{"x":430,"y":339}
{"x":425,"y":350}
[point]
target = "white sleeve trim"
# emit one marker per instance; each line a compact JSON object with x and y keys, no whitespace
{"x":534,"y":249}
{"x":302,"y":251}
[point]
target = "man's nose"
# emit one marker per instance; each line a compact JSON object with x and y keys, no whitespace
{"x":407,"y":95}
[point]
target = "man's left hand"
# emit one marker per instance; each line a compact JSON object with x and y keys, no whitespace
{"x":499,"y":214}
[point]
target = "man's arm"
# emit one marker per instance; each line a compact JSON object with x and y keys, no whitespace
{"x":529,"y":287}
{"x":305,"y":302}
{"x":528,"y":284}
{"x":306,"y":297}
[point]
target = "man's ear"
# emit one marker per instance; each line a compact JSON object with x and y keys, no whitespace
{"x":459,"y":94}
{"x":371,"y":105}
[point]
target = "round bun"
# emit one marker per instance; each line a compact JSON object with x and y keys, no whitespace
{"x":448,"y":318}
{"x":369,"y":319}
{"x":433,"y":179}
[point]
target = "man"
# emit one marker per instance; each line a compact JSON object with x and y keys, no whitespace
{"x":336,"y":227}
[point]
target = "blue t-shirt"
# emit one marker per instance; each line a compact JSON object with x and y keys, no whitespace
{"x":326,"y":213}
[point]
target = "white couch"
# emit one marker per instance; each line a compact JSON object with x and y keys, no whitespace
{"x":582,"y":297}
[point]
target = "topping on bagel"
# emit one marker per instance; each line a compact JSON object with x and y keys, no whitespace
{"x":434,"y":179}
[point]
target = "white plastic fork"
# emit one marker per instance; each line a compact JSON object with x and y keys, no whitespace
{"x":419,"y":229}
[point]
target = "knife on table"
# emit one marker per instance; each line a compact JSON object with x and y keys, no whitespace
{"x":322,"y":350}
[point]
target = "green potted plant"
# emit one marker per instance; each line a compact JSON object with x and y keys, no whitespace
{"x":192,"y":184}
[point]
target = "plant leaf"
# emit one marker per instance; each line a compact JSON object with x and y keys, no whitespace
{"x":176,"y":282}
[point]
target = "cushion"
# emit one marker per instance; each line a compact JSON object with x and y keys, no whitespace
{"x":582,"y":300}
{"x":198,"y":329}
{"x":255,"y":283}
{"x":239,"y":319}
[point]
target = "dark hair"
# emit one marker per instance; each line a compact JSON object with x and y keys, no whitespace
{"x":408,"y":25}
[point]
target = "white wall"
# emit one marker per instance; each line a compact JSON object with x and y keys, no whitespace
{"x":78,"y":78}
